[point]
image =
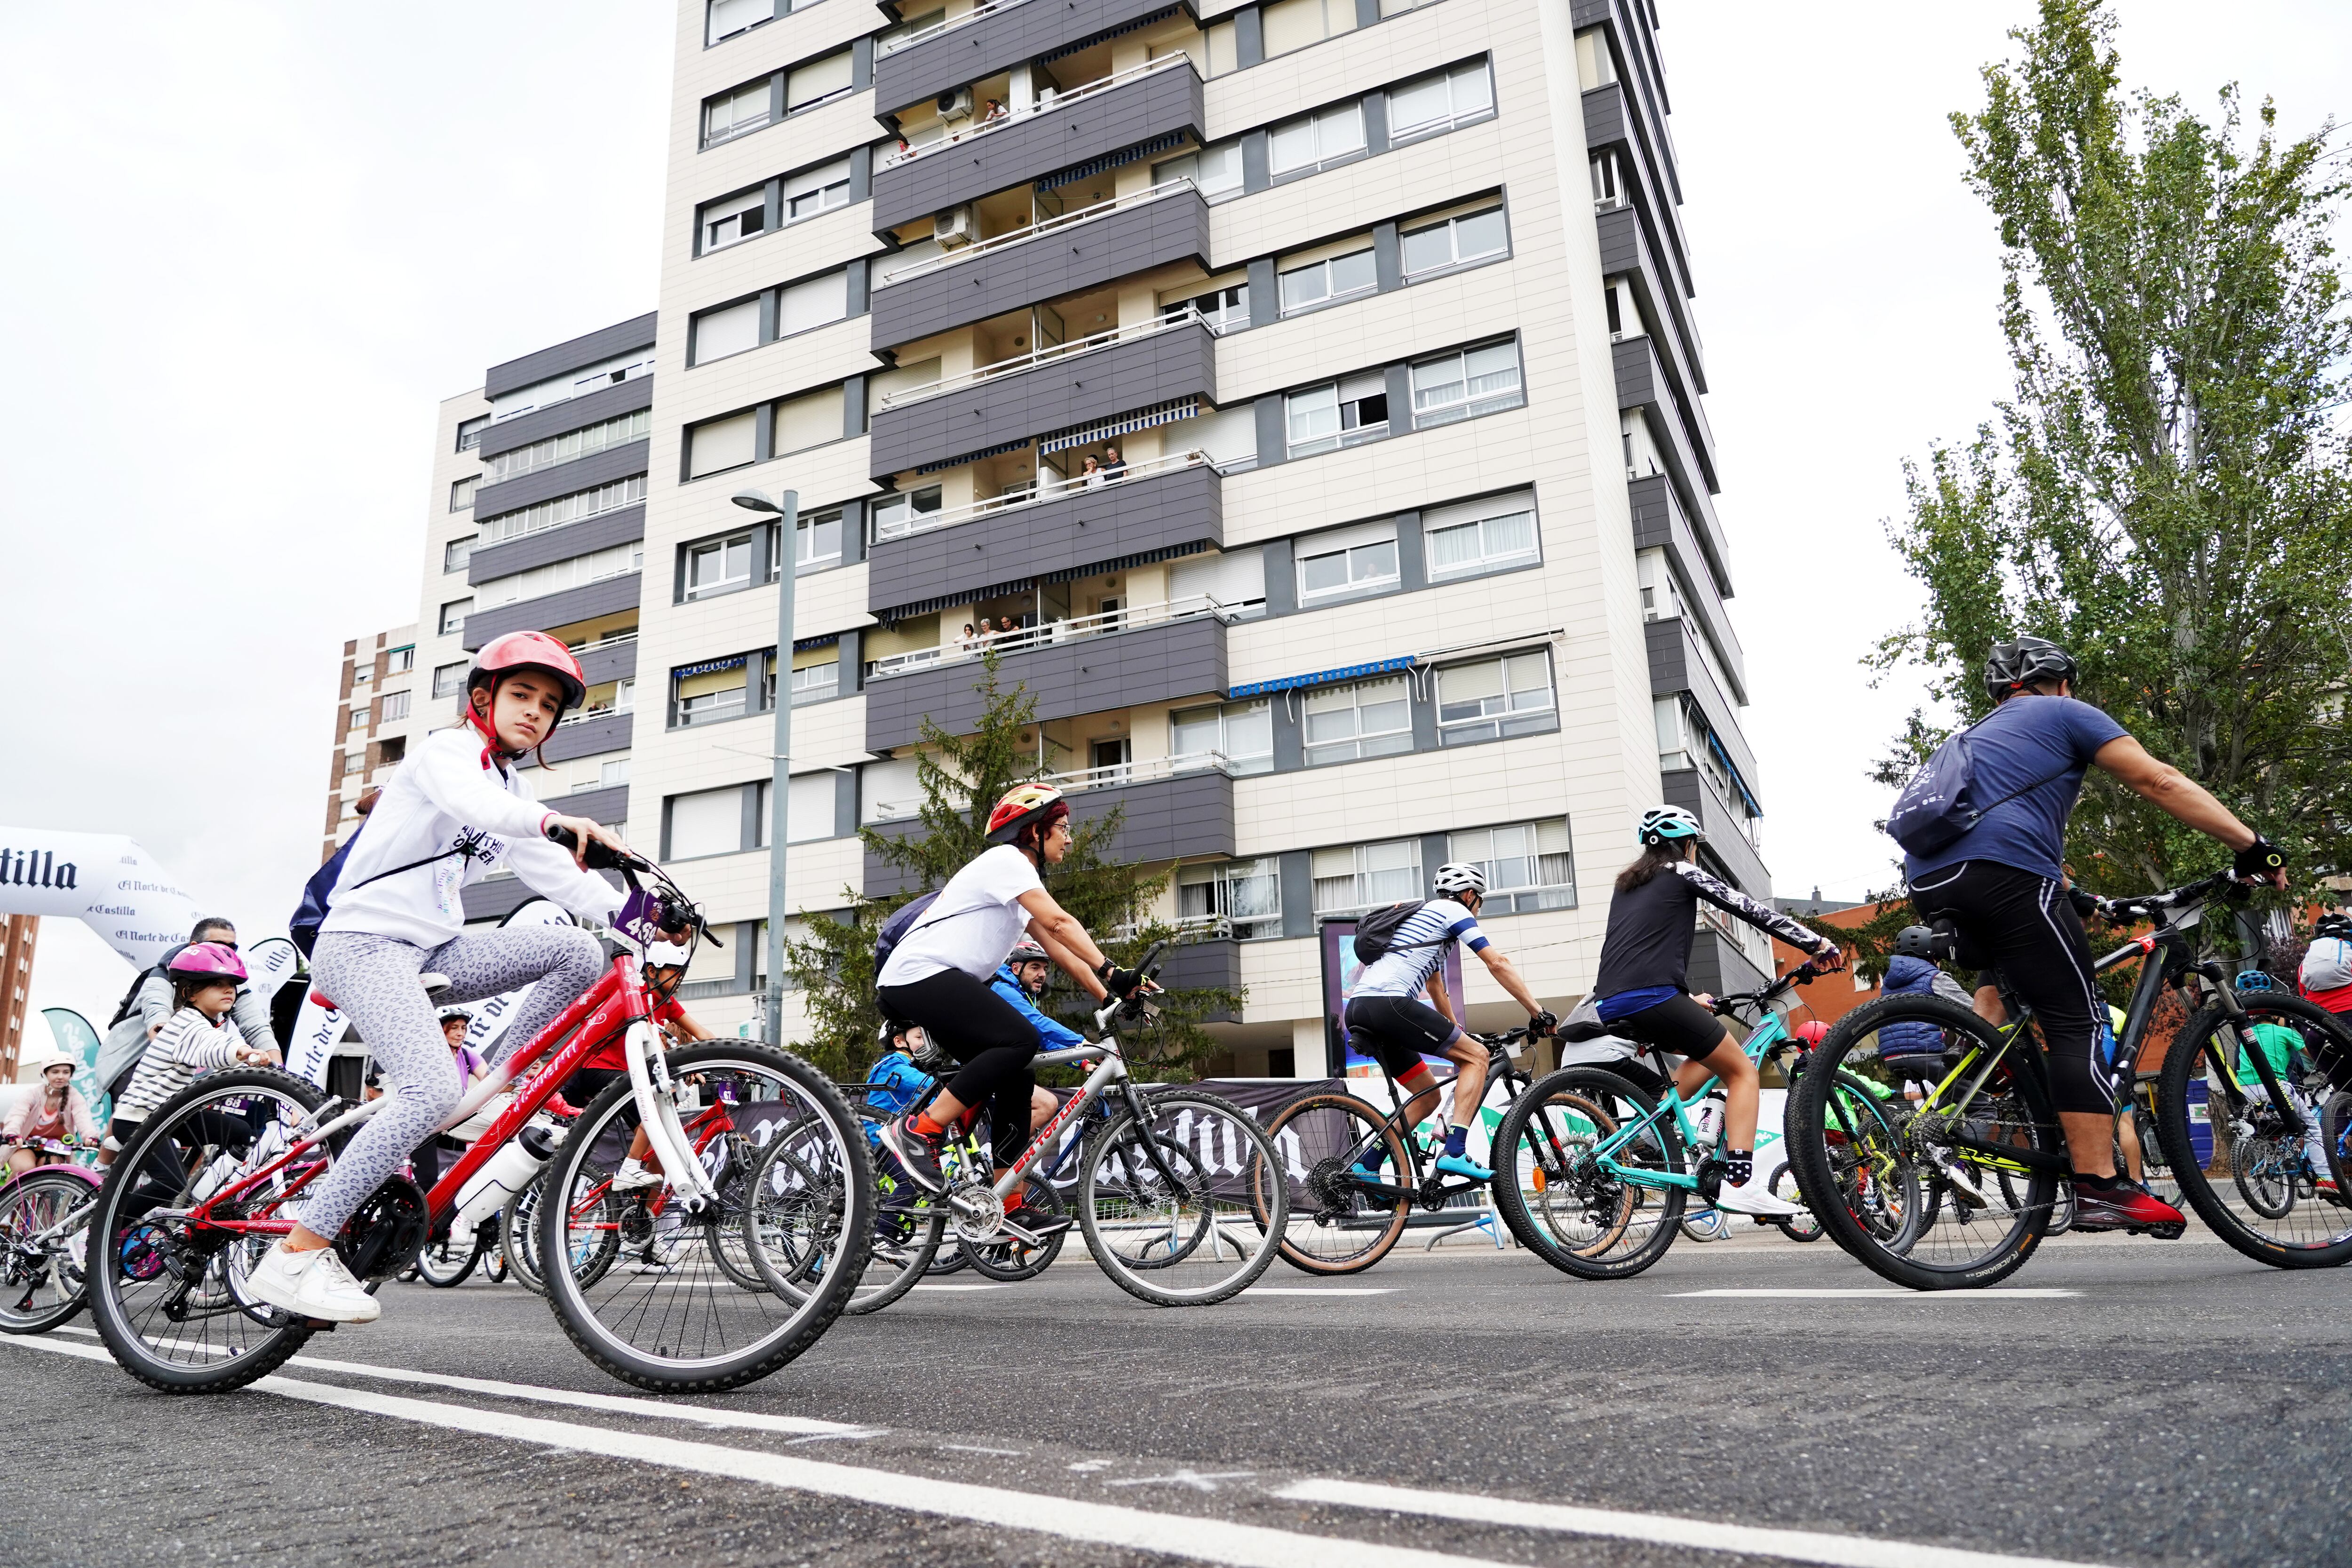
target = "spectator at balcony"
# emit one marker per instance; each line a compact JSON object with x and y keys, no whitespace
{"x":1092,"y":475}
{"x":965,"y":640}
{"x":1114,"y":467}
{"x":995,"y":112}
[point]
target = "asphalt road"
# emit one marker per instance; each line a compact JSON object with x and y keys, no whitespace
{"x":2182,"y":1405}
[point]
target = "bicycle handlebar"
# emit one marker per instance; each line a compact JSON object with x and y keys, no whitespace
{"x":2146,"y":906}
{"x":1798,"y":977}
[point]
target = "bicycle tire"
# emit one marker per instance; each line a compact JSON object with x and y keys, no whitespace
{"x":740,"y":1338}
{"x":445,"y":1262}
{"x":1009,"y":1262}
{"x":905,"y":1235}
{"x":2335,"y":1121}
{"x":515,"y":1236}
{"x":1562,"y":1208}
{"x":1124,"y":1196}
{"x":1328,"y":1131}
{"x":114,"y":1255}
{"x":1805,"y":1228}
{"x":1848,"y":1189}
{"x":2324,"y":1237}
{"x":30,"y":1203}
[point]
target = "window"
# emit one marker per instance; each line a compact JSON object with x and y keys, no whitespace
{"x":1608,"y":184}
{"x":392,"y":705}
{"x":721,"y":444}
{"x":734,"y":220}
{"x":577,"y":506}
{"x":613,"y":773}
{"x":456,"y":554}
{"x":718,"y":567}
{"x":817,"y":190}
{"x":730,"y":331}
{"x":1472,"y":237}
{"x":903,"y":512}
{"x":808,"y":810}
{"x":815,"y":682}
{"x":816,"y":541}
{"x":358,"y":719}
{"x":707,"y":693}
{"x":1315,"y":140}
{"x":353,"y":761}
{"x":363,"y":674}
{"x":1359,"y":876}
{"x":1289,"y":24}
{"x":813,"y":303}
{"x":1528,"y":865}
{"x":708,"y":822}
{"x":1216,"y":171}
{"x":1464,"y":386}
{"x":808,"y":420}
{"x":469,"y":432}
{"x":572,"y":383}
{"x":571,"y":444}
{"x":573,"y":571}
{"x":1493,"y":697}
{"x":448,"y":679}
{"x":453,"y":615}
{"x":816,"y":83}
{"x":401,"y":661}
{"x":1246,"y":893}
{"x":732,"y":114}
{"x":1325,"y":419}
{"x":1364,"y":718}
{"x":888,"y":791}
{"x":1441,"y":102}
{"x":1224,"y":309}
{"x":1361,"y":560}
{"x":1327,"y":281}
{"x":461,"y":493}
{"x":729,"y":18}
{"x":1240,"y":733}
{"x":1480,"y":536}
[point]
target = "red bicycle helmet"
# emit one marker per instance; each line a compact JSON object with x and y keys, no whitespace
{"x":1813,"y":1032}
{"x":1022,"y":805}
{"x":517,"y":651}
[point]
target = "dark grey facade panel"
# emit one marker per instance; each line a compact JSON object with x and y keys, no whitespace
{"x":1718,"y":968}
{"x":1157,"y":664}
{"x":1297,"y":868}
{"x":637,"y":332}
{"x":982,"y":49}
{"x":1625,"y":253}
{"x":609,"y":402}
{"x":618,"y":662}
{"x":1643,"y":378}
{"x":1611,"y":121}
{"x":1064,"y":261}
{"x":502,"y":896}
{"x":556,"y":544}
{"x":1642,"y":388}
{"x":1189,"y":817}
{"x":1660,"y":523}
{"x":1638,"y":63}
{"x":1152,"y":105}
{"x":1103,"y":383}
{"x":1726,"y":843}
{"x":605,"y":732}
{"x":1273,"y":435}
{"x":1675,"y":667}
{"x":1150,"y":514}
{"x":580,"y":474}
{"x":1214,"y":965}
{"x":607,"y":805}
{"x":585,"y":603}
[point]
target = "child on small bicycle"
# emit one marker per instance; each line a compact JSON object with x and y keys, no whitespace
{"x":193,"y":1041}
{"x":52,"y":1122}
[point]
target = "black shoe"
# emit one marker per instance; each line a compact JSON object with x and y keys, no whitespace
{"x":917,"y":1155}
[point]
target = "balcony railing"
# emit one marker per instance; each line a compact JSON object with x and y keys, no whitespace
{"x":1020,"y":640}
{"x":892,"y":45}
{"x":1035,"y":357}
{"x":905,"y":525}
{"x":616,"y":640}
{"x":1047,"y":103}
{"x":609,"y":711}
{"x":1037,"y":230}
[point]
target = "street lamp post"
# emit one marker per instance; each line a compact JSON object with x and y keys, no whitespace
{"x":780,"y":784}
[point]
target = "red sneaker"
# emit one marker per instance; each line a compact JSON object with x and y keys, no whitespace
{"x":2124,"y":1205}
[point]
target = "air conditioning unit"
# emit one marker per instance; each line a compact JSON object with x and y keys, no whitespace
{"x":955,"y":104}
{"x":954,"y":227}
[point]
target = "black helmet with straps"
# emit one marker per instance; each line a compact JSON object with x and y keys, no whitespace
{"x":2013,"y":666}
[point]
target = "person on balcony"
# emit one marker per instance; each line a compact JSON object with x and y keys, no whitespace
{"x":1114,"y":467}
{"x":1092,"y":475}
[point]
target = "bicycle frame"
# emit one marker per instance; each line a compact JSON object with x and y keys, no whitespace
{"x":1765,"y":1037}
{"x":1500,"y":1068}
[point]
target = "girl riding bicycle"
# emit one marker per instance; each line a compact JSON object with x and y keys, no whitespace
{"x":453,"y":810}
{"x":45,"y":1129}
{"x":1642,"y":990}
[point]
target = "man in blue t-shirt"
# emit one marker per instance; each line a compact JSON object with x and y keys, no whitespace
{"x":2003,"y":884}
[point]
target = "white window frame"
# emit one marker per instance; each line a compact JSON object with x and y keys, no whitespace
{"x":712,"y":37}
{"x":1226,"y":310}
{"x":1321,"y":702}
{"x":829,"y":191}
{"x":807,"y":686}
{"x":1469,"y":402}
{"x":461,"y":492}
{"x":714,"y":132}
{"x":542,"y":517}
{"x":1362,"y":552}
{"x":1217,"y":889}
{"x":1385,"y":871}
{"x":1463,"y":101}
{"x":555,"y":576}
{"x":1452,"y":227}
{"x":1223,"y":716}
{"x":1492,"y":555}
{"x":448,"y":679}
{"x":710,"y":228}
{"x":1321,"y":271}
{"x":807,"y":534}
{"x":1215,"y":171}
{"x":1548,"y":881}
{"x":692,"y":589}
{"x":728,"y":797}
{"x":457,"y":554}
{"x":392,"y":707}
{"x":848,"y":86}
{"x":572,"y":446}
{"x":1328,"y":144}
{"x":453,"y":615}
{"x":729,"y":338}
{"x":831,"y":292}
{"x":910,"y":505}
{"x":1347,"y":425}
{"x":1517,"y":710}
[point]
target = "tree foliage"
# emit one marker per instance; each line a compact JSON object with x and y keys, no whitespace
{"x":2164,"y":492}
{"x":962,"y":777}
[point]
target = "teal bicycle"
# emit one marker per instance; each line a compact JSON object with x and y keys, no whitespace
{"x":1594,"y":1165}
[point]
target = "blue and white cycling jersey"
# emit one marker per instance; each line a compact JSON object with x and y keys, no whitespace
{"x":1418,"y":948}
{"x":1052,"y":1036}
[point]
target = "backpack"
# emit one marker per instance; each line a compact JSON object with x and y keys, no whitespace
{"x":1376,"y":933}
{"x":159,"y":970}
{"x":894,"y":929}
{"x":2328,"y":965}
{"x":1937,"y":808}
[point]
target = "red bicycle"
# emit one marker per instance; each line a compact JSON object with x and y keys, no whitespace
{"x":216,"y":1175}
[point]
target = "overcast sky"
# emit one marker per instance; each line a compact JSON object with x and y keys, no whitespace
{"x":245,"y":248}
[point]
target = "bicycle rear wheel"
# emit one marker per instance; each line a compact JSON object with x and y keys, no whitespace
{"x":1806,"y":1226}
{"x":1013,"y":1259}
{"x":1866,"y":1171}
{"x":447,"y":1259}
{"x":167,"y":1295}
{"x":1183,"y":1208}
{"x":675,"y":1321}
{"x":2258,"y":1212}
{"x":1562,"y":1204}
{"x":1326,"y":1143}
{"x":41,"y":1281}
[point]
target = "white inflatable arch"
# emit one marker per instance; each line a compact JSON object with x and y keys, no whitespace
{"x":102,"y":879}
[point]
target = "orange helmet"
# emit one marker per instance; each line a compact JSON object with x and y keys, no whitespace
{"x":1022,"y":805}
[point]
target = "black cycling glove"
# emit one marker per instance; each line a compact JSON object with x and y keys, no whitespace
{"x":1543,"y":1023}
{"x":2259,"y":859}
{"x":2085,"y":906}
{"x":1120,"y":983}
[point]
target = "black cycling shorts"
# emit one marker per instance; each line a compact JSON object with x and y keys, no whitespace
{"x":1398,"y":1031}
{"x":1678,"y":1024}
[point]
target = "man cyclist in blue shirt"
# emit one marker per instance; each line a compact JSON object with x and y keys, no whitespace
{"x":1396,"y":1029}
{"x":2002,"y":884}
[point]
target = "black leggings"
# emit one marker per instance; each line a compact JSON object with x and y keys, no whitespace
{"x":2021,"y":923}
{"x":984,"y":1032}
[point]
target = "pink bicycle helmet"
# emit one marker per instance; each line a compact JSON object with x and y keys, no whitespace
{"x":206,"y":961}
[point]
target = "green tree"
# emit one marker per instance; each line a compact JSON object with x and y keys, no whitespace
{"x":2164,"y":492}
{"x":962,"y":777}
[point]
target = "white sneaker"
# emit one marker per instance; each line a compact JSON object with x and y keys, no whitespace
{"x":1755,"y":1200}
{"x":311,"y":1284}
{"x":634,"y":1176}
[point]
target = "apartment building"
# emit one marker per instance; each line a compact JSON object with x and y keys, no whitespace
{"x":375,"y":710}
{"x":1302,"y":398}
{"x":19,"y":935}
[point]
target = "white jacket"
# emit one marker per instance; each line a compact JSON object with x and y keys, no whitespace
{"x":446,"y":793}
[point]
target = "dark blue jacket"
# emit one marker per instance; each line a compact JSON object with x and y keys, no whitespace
{"x":1909,"y":977}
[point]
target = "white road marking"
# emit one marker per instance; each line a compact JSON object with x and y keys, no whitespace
{"x":975,"y":1448}
{"x":1198,"y":1480}
{"x":1088,"y":1466}
{"x":955,"y":1286}
{"x":1319,"y":1290}
{"x":1917,"y":1296}
{"x":1662,"y":1529}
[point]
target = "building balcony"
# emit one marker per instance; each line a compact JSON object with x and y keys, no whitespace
{"x":1661,"y":523}
{"x":619,"y":526}
{"x":587,"y":734}
{"x":1070,"y":253}
{"x":1642,"y":390}
{"x":608,"y":658}
{"x":578,"y":414}
{"x":1108,"y":374}
{"x":1614,"y":127}
{"x":1157,"y":99}
{"x":991,"y":37}
{"x":562,"y":479}
{"x":1718,"y":966}
{"x":1152,"y":653}
{"x":1726,"y":827}
{"x":585,"y":603}
{"x":1677,"y":665}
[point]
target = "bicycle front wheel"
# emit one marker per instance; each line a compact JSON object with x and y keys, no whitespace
{"x":1866,"y":1170}
{"x":446,"y":1260}
{"x":2249,"y":1190}
{"x":669,"y":1318}
{"x":1333,"y":1150}
{"x":1567,"y":1205}
{"x":41,"y":1250}
{"x":1186,"y":1206}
